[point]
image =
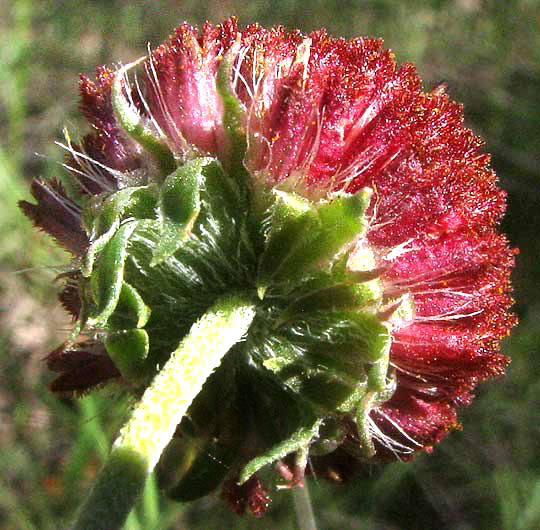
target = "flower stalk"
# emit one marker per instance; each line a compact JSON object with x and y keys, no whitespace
{"x":161,"y":408}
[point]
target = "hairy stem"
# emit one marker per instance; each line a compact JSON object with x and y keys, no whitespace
{"x":164,"y":403}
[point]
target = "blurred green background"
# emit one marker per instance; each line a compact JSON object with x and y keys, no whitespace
{"x":487,"y":52}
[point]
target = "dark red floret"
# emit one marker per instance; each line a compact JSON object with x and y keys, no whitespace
{"x":249,"y":497}
{"x":56,"y":214}
{"x":83,"y":366}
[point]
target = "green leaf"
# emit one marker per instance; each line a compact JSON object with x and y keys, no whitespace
{"x":233,"y":110}
{"x":378,"y":371}
{"x":104,"y":225}
{"x":285,"y":207}
{"x":333,"y":359}
{"x":283,"y":243}
{"x":178,"y":207}
{"x":107,"y":276}
{"x":221,"y":195}
{"x":143,"y":203}
{"x":337,"y":297}
{"x":314,"y":239}
{"x":299,"y":441}
{"x":128,"y":349}
{"x":130,"y":311}
{"x":191,"y":468}
{"x":326,"y":391}
{"x":358,"y":336}
{"x":133,"y":124}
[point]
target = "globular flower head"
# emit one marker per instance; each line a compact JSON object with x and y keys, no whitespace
{"x":316,"y":174}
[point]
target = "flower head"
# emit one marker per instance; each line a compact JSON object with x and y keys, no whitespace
{"x":315,"y":174}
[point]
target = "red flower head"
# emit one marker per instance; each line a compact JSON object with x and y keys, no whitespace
{"x":315,"y":173}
